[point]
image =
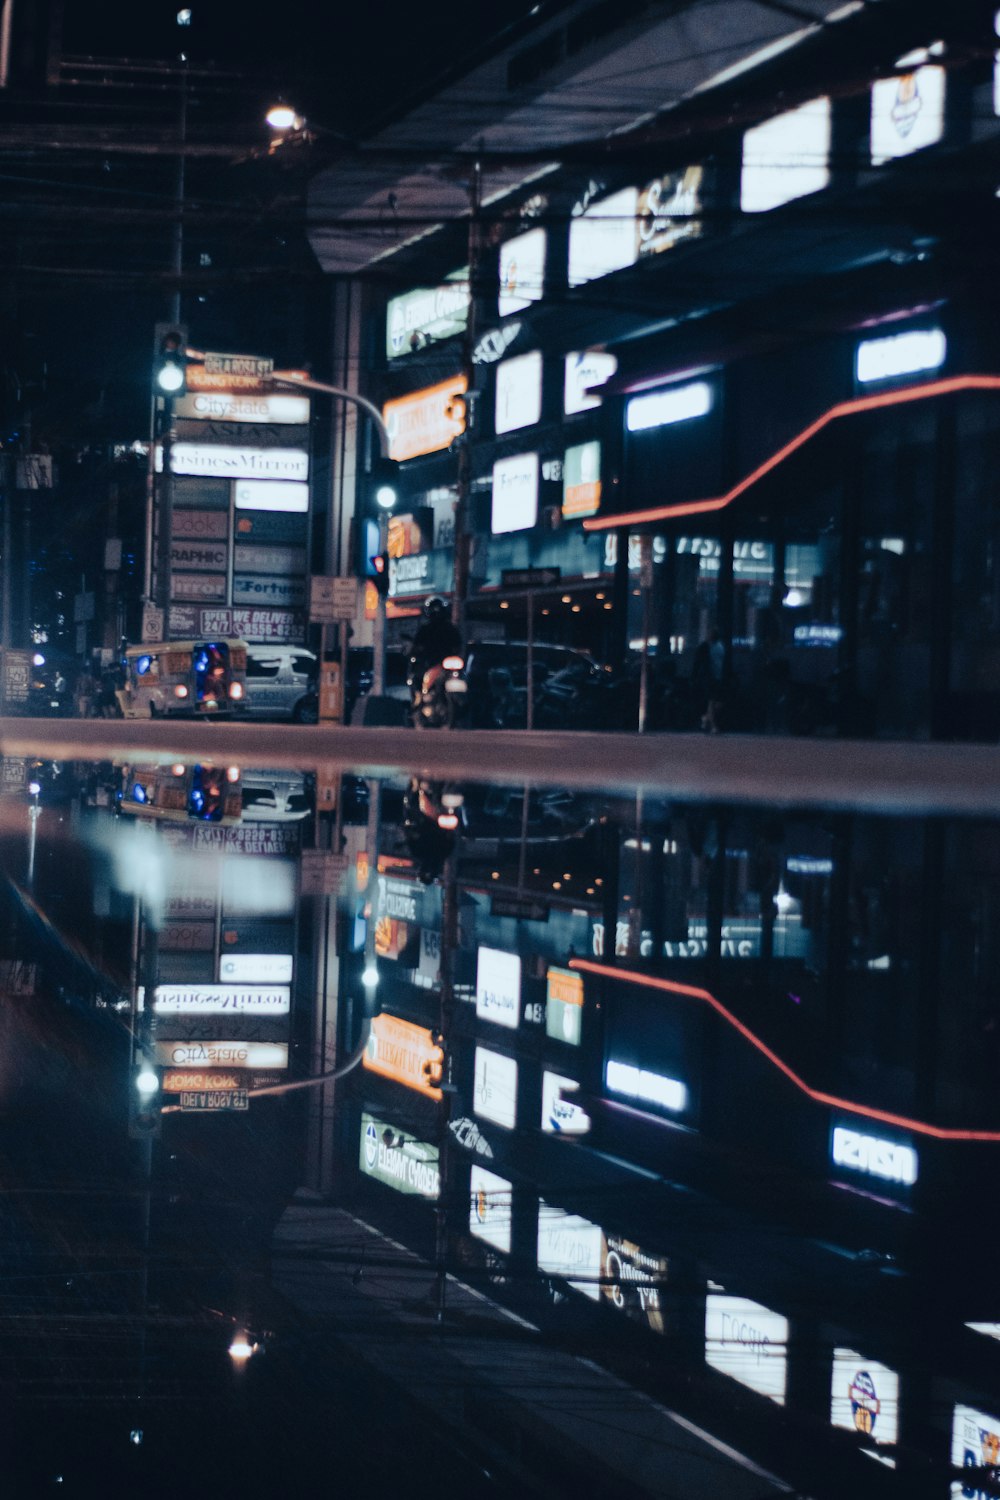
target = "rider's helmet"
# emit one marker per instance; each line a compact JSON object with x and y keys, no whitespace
{"x":434,"y":607}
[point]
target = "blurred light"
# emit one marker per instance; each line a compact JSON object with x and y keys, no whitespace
{"x":281,"y":117}
{"x":232,"y":773}
{"x":236,"y":690}
{"x":180,"y":691}
{"x":147,"y":1081}
{"x":178,"y":768}
{"x":38,"y":660}
{"x":241,"y":1348}
{"x":662,"y":408}
{"x":170,"y":378}
{"x":34,"y":787}
{"x":782,"y":900}
{"x":793,"y":599}
{"x":504,"y":604}
{"x":901,"y":354}
{"x":447,"y":821}
{"x":370,"y":976}
{"x":183,"y":19}
{"x":385,"y":496}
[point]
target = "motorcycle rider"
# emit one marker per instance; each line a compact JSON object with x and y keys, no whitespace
{"x":436,"y":638}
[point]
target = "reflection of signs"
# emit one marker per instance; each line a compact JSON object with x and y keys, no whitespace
{"x":188,"y":937}
{"x":633,"y":1279}
{"x":667,"y":206}
{"x":470,"y":1138}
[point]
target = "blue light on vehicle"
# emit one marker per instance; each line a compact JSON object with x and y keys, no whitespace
{"x":196,"y":801}
{"x":142,"y":665}
{"x":201,"y":661}
{"x":139,"y":793}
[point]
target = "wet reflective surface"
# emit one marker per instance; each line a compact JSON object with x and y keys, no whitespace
{"x":654,"y":1154}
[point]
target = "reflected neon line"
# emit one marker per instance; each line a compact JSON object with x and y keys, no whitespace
{"x":692,"y":992}
{"x":850,"y":408}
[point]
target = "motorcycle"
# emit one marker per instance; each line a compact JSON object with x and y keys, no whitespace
{"x":437,"y":692}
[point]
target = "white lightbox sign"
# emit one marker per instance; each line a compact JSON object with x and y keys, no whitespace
{"x":256,"y":968}
{"x":263,"y":494}
{"x":494,"y":1090}
{"x":560,"y":1116}
{"x":748,"y":1342}
{"x":262,"y":1056}
{"x":498,"y":986}
{"x":603,"y":238}
{"x":489,"y":1208}
{"x":975,"y":1444}
{"x":874,"y":1157}
{"x":900,"y":354}
{"x":515,"y":493}
{"x":583,"y":370}
{"x":519,"y":392}
{"x":678,"y":403}
{"x":907,"y":113}
{"x":864,"y":1397}
{"x":522,"y":271}
{"x":239,"y":406}
{"x":227,"y":461}
{"x":787,"y":157}
{"x":570,"y":1246}
{"x":222,"y":999}
{"x":645,"y":1087}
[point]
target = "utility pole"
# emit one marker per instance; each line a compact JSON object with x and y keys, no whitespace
{"x":463,"y":482}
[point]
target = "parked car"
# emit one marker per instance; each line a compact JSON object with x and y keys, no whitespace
{"x":275,"y":796}
{"x":282,"y":683}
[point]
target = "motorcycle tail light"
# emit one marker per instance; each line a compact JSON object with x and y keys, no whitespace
{"x":453,"y":663}
{"x":447,"y":820}
{"x":236,"y":690}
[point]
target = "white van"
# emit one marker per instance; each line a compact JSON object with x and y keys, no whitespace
{"x":282,"y":683}
{"x":275,"y":796}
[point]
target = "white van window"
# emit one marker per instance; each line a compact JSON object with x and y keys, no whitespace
{"x":263,"y":666}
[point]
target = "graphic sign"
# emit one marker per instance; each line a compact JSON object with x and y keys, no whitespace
{"x":892,"y":1161}
{"x":515,"y":493}
{"x":582,"y":371}
{"x":864,"y":1397}
{"x":563,"y":1005}
{"x":747,"y":1342}
{"x":560,"y":1116}
{"x":786,"y":157}
{"x":632,"y":1280}
{"x":975,"y":1444}
{"x":272,"y":494}
{"x":907,"y":113}
{"x":256,"y":968}
{"x":490,"y":1208}
{"x":667,"y":211}
{"x":582,"y":480}
{"x":494,"y":1093}
{"x":603,"y":238}
{"x":518,"y":392}
{"x":237,"y":406}
{"x":498,"y":986}
{"x":570,"y":1246}
{"x":522,"y":271}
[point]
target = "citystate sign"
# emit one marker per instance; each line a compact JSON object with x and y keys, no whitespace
{"x":398,"y":1159}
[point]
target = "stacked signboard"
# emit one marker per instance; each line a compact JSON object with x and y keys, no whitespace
{"x":239,"y":504}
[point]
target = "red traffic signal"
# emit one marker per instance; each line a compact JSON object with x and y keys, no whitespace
{"x":380,"y":572}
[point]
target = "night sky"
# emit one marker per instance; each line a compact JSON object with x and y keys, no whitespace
{"x":84,"y":264}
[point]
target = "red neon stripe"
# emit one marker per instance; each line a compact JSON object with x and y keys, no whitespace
{"x":842,"y":409}
{"x":653,"y":982}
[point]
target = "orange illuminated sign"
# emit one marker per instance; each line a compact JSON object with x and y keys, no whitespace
{"x":426,"y":421}
{"x":179,"y":1080}
{"x":564,"y":985}
{"x":404,"y":1052}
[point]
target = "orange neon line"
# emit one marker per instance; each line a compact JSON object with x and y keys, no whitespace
{"x":692,"y":992}
{"x":842,"y":409}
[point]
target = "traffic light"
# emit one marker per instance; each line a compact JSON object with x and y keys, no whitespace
{"x":145,"y":1099}
{"x":170,"y":359}
{"x":380,"y":572}
{"x":384,"y":483}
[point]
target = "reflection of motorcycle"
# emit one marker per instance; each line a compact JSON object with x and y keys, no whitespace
{"x":437,"y":692}
{"x":432,"y":815}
